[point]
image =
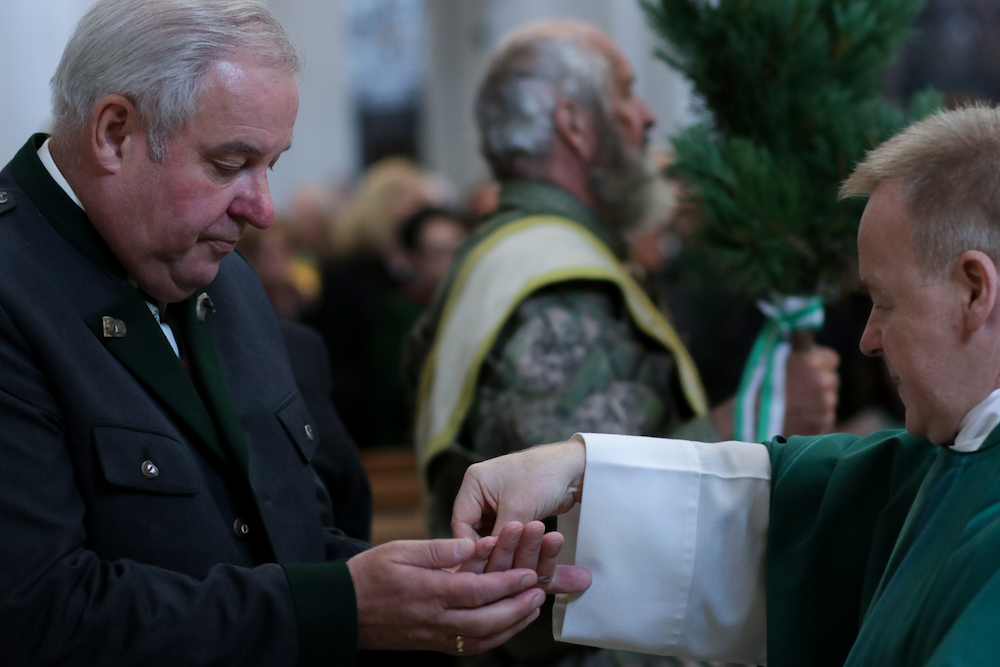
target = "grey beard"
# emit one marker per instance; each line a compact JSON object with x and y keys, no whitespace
{"x":624,"y":183}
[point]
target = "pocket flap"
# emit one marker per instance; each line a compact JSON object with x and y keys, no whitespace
{"x":144,"y":460}
{"x":300,"y":426}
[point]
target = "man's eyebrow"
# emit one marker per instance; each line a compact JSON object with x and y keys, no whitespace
{"x":239,"y":147}
{"x":242,"y":147}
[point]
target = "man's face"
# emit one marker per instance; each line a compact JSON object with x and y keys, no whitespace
{"x":630,"y":113}
{"x":171,"y":223}
{"x":915,"y":320}
{"x":439,"y":240}
{"x":622,"y":175}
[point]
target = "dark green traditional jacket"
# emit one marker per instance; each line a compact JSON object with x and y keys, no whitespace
{"x":883,"y":551}
{"x":151,"y":514}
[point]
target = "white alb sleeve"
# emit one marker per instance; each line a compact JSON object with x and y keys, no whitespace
{"x":674,"y":533}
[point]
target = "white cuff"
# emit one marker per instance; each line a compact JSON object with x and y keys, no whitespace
{"x":674,"y":533}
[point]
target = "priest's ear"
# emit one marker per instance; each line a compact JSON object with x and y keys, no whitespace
{"x":977,"y":275}
{"x":114,"y":131}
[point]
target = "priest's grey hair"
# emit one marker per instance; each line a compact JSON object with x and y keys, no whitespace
{"x":949,"y":168}
{"x":516,"y":101}
{"x":156,"y":53}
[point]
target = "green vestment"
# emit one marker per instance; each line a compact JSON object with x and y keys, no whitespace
{"x":883,"y":551}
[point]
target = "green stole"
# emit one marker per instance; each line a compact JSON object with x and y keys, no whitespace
{"x":488,"y":283}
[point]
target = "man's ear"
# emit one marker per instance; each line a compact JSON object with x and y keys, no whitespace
{"x":977,"y":275}
{"x":575,"y":127}
{"x":113,"y":124}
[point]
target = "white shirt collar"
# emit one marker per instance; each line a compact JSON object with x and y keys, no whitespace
{"x":46,"y":157}
{"x":978,"y":424}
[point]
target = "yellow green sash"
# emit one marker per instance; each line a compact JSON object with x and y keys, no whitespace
{"x":494,"y":278}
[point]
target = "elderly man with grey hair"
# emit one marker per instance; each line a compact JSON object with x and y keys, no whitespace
{"x":157,"y":504}
{"x":539,"y":331}
{"x":879,"y":551}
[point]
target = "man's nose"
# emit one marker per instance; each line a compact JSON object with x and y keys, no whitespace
{"x":871,"y":338}
{"x":646,"y":114}
{"x":254,"y":205}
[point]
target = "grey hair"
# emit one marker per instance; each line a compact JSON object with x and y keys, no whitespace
{"x":517,"y":99}
{"x":949,"y":168}
{"x":156,"y":53}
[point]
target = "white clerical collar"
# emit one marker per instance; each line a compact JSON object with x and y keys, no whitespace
{"x":46,"y":157}
{"x":978,"y":424}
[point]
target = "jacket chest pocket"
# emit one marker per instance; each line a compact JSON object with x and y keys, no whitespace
{"x":294,"y":416}
{"x":141,"y":460}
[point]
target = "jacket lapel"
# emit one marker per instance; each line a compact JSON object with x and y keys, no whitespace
{"x":142,"y":348}
{"x":197,"y":323}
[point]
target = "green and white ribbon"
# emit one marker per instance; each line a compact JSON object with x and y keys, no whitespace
{"x":760,"y":401}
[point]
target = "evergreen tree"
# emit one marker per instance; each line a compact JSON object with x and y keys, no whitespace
{"x":793,"y":90}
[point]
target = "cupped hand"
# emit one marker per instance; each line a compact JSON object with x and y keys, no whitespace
{"x":407,"y":600}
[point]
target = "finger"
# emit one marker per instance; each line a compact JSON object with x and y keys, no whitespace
{"x":477,"y":564}
{"x":526,"y":555}
{"x":502,"y":557}
{"x":548,"y":557}
{"x":493,"y":618}
{"x":464,"y":590}
{"x":472,"y":515}
{"x":473,"y":645}
{"x":570,"y":579}
{"x":433,"y":554}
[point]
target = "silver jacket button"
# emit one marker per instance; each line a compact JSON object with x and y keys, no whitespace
{"x":149,"y":469}
{"x":242,"y":529}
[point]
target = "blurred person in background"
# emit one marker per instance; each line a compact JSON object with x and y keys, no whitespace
{"x":482,"y":202}
{"x":291,"y":284}
{"x":366,"y":264}
{"x":428,"y":240}
{"x":538,"y":330}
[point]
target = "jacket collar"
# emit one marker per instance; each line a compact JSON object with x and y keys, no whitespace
{"x":59,"y":209}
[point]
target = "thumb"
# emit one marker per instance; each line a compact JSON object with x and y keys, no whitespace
{"x":435,"y":554}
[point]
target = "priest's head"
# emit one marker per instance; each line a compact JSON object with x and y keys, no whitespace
{"x":168,"y":115}
{"x":557,"y":104}
{"x":928,"y":248}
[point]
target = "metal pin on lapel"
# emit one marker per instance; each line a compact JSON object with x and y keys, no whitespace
{"x":204,"y":306}
{"x":113,"y":328}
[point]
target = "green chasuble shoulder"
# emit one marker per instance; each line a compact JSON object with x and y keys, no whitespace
{"x":883,"y":551}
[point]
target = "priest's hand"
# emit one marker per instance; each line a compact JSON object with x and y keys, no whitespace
{"x":522,"y":487}
{"x":811,"y":391}
{"x":407,"y":599}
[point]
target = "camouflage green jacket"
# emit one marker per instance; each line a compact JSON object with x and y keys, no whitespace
{"x":568,"y":359}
